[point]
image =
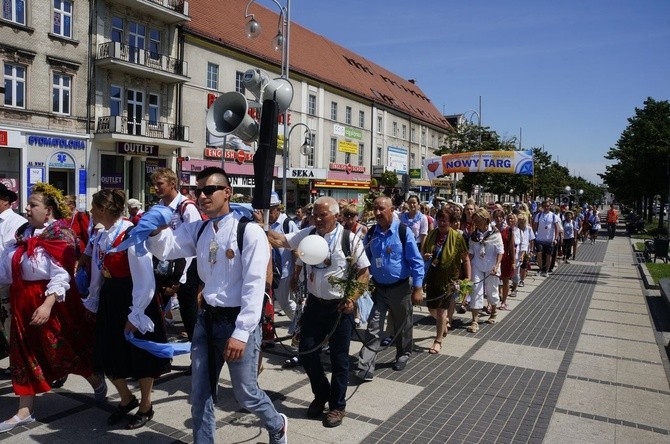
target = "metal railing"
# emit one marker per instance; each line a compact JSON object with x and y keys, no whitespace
{"x":139,"y":56}
{"x":175,"y":5}
{"x":145,"y":128}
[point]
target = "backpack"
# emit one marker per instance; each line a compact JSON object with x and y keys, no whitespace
{"x":402,"y":233}
{"x":182,"y":207}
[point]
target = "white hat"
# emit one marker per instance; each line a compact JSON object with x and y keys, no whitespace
{"x":274,"y":199}
{"x":134,"y":203}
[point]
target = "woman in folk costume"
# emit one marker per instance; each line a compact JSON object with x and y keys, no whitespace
{"x":50,"y":336}
{"x":122,"y":293}
{"x":445,"y":254}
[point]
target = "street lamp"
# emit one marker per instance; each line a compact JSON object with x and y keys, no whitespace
{"x":281,"y":41}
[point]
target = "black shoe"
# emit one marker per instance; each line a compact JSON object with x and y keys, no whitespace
{"x":315,"y":409}
{"x":58,"y":383}
{"x":400,"y":364}
{"x":291,"y":362}
{"x":140,"y":418}
{"x":122,"y":410}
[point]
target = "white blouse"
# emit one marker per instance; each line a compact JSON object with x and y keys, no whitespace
{"x":39,"y":267}
{"x":141,"y":272}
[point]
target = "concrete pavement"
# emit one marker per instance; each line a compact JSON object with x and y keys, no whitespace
{"x":577,"y":358}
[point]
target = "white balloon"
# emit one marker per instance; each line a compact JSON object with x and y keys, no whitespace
{"x":313,"y":249}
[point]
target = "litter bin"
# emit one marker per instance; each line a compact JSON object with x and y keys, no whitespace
{"x":661,"y":249}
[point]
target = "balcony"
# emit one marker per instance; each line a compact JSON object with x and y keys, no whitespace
{"x":122,"y":57}
{"x":119,"y":128}
{"x":168,"y":11}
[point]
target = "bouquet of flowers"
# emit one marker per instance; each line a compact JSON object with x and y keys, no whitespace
{"x":462,"y":288}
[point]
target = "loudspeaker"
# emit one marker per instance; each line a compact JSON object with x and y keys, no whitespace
{"x":281,"y":91}
{"x":228,"y":115}
{"x":264,"y":159}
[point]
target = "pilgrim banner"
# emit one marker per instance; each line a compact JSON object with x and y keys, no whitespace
{"x":510,"y":162}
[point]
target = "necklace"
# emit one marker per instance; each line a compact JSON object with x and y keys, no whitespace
{"x":100,"y":259}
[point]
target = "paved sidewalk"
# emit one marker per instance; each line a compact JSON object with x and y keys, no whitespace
{"x":576,"y":359}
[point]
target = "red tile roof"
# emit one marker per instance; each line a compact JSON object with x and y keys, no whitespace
{"x":311,"y":55}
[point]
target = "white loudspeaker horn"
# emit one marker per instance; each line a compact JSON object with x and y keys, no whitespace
{"x":281,"y":90}
{"x":228,"y":115}
{"x":255,"y":80}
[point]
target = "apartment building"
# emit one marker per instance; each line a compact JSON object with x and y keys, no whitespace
{"x":44,"y":118}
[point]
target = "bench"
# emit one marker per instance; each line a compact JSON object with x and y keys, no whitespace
{"x":657,"y":247}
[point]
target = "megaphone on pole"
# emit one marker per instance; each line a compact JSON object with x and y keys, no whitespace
{"x":228,"y":115}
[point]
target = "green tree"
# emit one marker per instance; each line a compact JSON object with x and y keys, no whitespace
{"x":642,"y":158}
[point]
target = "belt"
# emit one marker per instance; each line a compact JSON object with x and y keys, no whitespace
{"x":324,"y":301}
{"x":221,"y":314}
{"x":391,"y":285}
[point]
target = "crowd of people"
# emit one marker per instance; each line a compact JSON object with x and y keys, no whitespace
{"x":216,"y":267}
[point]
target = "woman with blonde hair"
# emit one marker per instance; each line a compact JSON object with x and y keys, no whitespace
{"x":50,"y":335}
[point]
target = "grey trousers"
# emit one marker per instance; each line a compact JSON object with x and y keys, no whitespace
{"x":398,"y":301}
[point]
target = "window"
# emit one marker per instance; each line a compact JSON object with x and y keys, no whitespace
{"x":347,"y":115}
{"x":423,"y":137}
{"x":404,"y":131}
{"x":239,"y":82}
{"x":378,"y":158}
{"x":413,"y":134}
{"x":62,"y":85}
{"x":380,"y":124}
{"x":412,"y":160}
{"x":395,"y":129}
{"x":311,"y":105}
{"x":136,"y":41}
{"x":212,"y":76}
{"x":115,"y":101}
{"x":117,"y":29}
{"x":63,"y":18}
{"x":432,"y":140}
{"x":154,"y":110}
{"x":361,"y":119}
{"x":347,"y":157}
{"x":333,"y":112}
{"x":310,"y":155}
{"x":333,"y":150}
{"x":361,"y":147}
{"x":154,"y":44}
{"x":15,"y":86}
{"x":14,"y":11}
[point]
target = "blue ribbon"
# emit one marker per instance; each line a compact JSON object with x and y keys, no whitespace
{"x":167,"y":350}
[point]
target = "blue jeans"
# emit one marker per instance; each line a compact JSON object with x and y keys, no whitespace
{"x":243,"y":375}
{"x":316,"y":322}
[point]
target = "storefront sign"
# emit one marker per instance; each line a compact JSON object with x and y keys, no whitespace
{"x":349,"y":133}
{"x":137,"y":149}
{"x":57,"y":142}
{"x":347,"y":147}
{"x":415,"y":173}
{"x":346,"y":167}
{"x":397,"y":159}
{"x":152,"y":165}
{"x":111,"y":181}
{"x":4,"y":138}
{"x":342,"y":184}
{"x":307,"y":173}
{"x":238,"y":156}
{"x":62,"y":160}
{"x":242,"y":182}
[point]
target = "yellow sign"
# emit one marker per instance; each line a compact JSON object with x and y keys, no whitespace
{"x":347,"y":147}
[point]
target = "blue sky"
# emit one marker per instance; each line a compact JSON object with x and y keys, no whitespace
{"x":566,"y":74}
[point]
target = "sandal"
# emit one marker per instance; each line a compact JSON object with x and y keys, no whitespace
{"x":491,"y":319}
{"x":122,"y":410}
{"x":473,"y":327}
{"x":140,"y":418}
{"x":435,"y":349}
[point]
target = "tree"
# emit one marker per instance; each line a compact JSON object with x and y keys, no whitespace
{"x":642,"y":158}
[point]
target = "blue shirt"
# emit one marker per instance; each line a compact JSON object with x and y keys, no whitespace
{"x":388,"y":264}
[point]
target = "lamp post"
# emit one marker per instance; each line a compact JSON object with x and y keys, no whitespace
{"x":281,"y":41}
{"x":472,"y":113}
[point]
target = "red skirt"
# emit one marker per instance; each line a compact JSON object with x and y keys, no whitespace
{"x":41,"y":354}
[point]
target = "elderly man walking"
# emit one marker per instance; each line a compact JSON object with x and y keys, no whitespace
{"x":328,"y":310}
{"x":394,"y":258}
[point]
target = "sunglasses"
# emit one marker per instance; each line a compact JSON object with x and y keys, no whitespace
{"x":208,"y":190}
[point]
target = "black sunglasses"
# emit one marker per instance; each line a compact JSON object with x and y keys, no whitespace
{"x":209,"y":190}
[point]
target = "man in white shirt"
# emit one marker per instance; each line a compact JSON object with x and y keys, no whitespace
{"x":328,"y":310}
{"x":228,"y":327}
{"x":9,"y":223}
{"x":546,"y":227}
{"x":281,"y":223}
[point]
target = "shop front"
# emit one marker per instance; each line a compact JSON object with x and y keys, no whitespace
{"x":300,"y":186}
{"x":345,"y":182}
{"x":30,"y":156}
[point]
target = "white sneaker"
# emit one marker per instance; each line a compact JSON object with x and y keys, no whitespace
{"x":7,"y":426}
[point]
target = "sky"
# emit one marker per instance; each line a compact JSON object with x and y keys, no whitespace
{"x":563,"y":75}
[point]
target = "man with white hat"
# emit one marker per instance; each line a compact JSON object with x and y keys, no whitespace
{"x":9,"y":223}
{"x":281,"y":223}
{"x":134,"y":210}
